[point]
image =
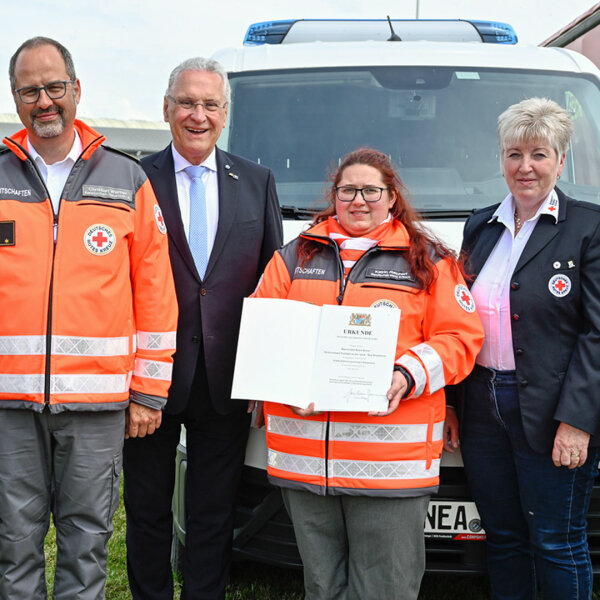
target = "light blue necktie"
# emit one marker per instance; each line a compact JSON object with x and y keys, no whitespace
{"x":198,"y":233}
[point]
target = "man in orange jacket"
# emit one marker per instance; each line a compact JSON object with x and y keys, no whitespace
{"x":87,"y":325}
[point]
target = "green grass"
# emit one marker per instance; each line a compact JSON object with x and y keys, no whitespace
{"x":254,"y":581}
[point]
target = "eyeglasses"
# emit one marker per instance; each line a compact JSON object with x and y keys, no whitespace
{"x":209,"y":106}
{"x":347,"y":193}
{"x":54,"y":90}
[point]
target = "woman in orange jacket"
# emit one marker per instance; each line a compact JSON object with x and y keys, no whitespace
{"x":357,"y":485}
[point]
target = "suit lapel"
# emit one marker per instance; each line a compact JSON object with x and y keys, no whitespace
{"x":542,"y":234}
{"x":229,"y":182}
{"x":165,"y":187}
{"x":483,"y":247}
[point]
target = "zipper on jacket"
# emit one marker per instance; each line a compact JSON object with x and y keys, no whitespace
{"x":50,"y":289}
{"x":51,"y":286}
{"x":343,"y":279}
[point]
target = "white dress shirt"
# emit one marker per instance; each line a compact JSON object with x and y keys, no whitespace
{"x":211,"y":186}
{"x":491,"y":289}
{"x":55,"y":176}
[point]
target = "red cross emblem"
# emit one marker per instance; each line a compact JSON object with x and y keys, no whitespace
{"x":552,"y":208}
{"x":464,"y":298}
{"x":99,"y":239}
{"x":559,"y":285}
{"x":160,"y":221}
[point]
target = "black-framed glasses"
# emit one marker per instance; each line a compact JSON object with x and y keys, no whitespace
{"x":208,"y":106}
{"x":347,"y":193}
{"x":54,"y":90}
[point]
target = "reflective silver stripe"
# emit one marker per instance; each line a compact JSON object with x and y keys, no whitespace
{"x":155,"y":340}
{"x":416,"y":369}
{"x":304,"y":465}
{"x":12,"y":345}
{"x":64,"y":345}
{"x":383,"y":433}
{"x":363,"y":469}
{"x":153,"y":369}
{"x":21,"y":384}
{"x":90,"y":346}
{"x":433,"y":364}
{"x":438,"y":431}
{"x":311,"y":430}
{"x":89,"y":384}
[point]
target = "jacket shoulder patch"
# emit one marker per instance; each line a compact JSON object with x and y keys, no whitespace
{"x":464,"y":298}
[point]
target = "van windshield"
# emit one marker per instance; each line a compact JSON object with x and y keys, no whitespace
{"x":438,"y":125}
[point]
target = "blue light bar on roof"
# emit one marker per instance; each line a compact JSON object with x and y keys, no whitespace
{"x":494,"y":32}
{"x":267,"y":32}
{"x":307,"y":30}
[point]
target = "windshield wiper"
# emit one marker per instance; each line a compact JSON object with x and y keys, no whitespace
{"x":290,"y":211}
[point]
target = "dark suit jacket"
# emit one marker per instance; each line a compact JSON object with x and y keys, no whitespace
{"x":556,"y":339}
{"x":249,"y":231}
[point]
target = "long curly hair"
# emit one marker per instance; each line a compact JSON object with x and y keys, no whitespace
{"x":421,"y":240}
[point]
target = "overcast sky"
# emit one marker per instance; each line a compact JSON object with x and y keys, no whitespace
{"x":124,"y":49}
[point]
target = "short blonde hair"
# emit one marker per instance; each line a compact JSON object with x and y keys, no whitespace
{"x":535,"y":120}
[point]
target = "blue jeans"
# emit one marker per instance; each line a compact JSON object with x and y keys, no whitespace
{"x":534,"y":513}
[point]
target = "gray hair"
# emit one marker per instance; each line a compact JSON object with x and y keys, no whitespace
{"x":201,"y":64}
{"x":533,"y":120}
{"x":35,"y":42}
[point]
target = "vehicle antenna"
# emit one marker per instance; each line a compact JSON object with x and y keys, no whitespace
{"x":393,"y":37}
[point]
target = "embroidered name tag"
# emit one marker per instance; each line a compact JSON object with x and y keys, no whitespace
{"x":389,"y":274}
{"x":7,"y":233}
{"x":9,"y":193}
{"x":110,"y":193}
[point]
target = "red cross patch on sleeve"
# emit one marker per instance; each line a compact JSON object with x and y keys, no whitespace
{"x":464,"y":298}
{"x":160,"y":221}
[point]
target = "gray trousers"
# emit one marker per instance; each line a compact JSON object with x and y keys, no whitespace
{"x":359,"y":547}
{"x":68,"y":464}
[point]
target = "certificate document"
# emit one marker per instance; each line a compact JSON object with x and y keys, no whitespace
{"x":339,"y":357}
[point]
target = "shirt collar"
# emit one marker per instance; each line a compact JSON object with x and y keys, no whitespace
{"x":505,"y":213}
{"x":74,"y":152}
{"x":181,"y":163}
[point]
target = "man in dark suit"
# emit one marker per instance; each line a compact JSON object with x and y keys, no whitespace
{"x":224,"y":224}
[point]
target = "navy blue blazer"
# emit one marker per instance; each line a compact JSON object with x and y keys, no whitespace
{"x":249,"y":231}
{"x":555,"y":306}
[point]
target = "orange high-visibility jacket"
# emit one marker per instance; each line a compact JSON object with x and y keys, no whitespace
{"x":439,"y":337}
{"x":89,"y":320}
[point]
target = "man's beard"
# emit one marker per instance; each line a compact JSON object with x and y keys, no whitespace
{"x":48,"y":130}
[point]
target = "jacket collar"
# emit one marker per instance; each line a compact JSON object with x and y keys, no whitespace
{"x":90,"y":139}
{"x":395,"y":237}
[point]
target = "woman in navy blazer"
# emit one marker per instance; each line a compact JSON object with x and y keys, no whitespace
{"x":530,"y":420}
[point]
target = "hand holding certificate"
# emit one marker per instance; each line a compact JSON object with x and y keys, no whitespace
{"x":337,"y":357}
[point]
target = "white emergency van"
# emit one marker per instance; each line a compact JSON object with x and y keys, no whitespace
{"x":428,"y":93}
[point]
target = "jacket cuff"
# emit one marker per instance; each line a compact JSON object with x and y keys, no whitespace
{"x":409,"y":379}
{"x":154,"y":402}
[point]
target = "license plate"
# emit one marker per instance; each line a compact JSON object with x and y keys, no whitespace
{"x":453,"y":521}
